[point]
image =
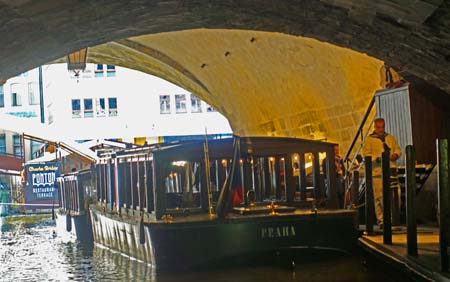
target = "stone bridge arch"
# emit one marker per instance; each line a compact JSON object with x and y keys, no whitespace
{"x":411,"y":36}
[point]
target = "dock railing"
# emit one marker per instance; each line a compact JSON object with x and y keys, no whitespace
{"x":411,"y":220}
{"x":443,"y":202}
{"x":411,"y":224}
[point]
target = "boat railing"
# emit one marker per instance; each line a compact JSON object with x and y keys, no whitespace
{"x":74,"y":189}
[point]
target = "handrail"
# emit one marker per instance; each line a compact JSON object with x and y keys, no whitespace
{"x":359,"y":132}
{"x":363,"y":140}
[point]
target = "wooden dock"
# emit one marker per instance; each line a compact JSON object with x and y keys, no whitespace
{"x":426,"y":266}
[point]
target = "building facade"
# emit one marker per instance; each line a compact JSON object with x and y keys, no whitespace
{"x":20,"y":97}
{"x":103,"y":102}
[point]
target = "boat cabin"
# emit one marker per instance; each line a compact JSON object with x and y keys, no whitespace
{"x":198,"y":176}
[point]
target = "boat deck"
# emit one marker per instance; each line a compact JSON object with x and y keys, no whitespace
{"x":425,"y":266}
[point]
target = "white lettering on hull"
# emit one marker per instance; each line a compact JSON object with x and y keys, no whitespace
{"x":278,"y":232}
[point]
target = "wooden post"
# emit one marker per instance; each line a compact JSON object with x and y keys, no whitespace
{"x":159,"y":189}
{"x":369,"y":195}
{"x":257,"y":172}
{"x":443,"y":202}
{"x":332,"y":180}
{"x":246,"y":167}
{"x":318,"y":191}
{"x":130,"y":179}
{"x":109,"y":186}
{"x":302,"y":175}
{"x":289,"y":179}
{"x":387,"y":223}
{"x":267,"y":179}
{"x":411,"y":224}
{"x":98,"y":175}
{"x":278,"y":177}
{"x":149,"y":181}
{"x":203,"y":188}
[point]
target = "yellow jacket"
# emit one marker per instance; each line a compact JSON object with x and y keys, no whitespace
{"x":373,"y":146}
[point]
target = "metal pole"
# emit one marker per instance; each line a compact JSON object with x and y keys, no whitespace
{"x":41,"y":95}
{"x":443,"y":202}
{"x":369,"y":195}
{"x":387,"y":231}
{"x":411,"y":224}
{"x":354,"y":188}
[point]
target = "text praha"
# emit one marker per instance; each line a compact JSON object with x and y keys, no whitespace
{"x":278,"y":232}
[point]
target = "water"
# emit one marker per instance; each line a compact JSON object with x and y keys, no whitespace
{"x":32,"y":252}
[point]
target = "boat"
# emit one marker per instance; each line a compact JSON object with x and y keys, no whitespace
{"x":73,"y":221}
{"x":197,"y":203}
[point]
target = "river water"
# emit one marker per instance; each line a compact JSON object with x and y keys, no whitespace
{"x":33,"y":252}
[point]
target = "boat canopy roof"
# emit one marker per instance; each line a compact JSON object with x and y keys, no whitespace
{"x":218,"y":148}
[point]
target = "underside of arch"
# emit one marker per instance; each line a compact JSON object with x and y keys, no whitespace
{"x":265,"y":83}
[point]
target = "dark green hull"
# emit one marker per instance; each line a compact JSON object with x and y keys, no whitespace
{"x":188,"y":243}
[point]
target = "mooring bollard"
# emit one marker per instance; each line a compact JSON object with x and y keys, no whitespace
{"x":369,"y":195}
{"x":411,"y":224}
{"x":443,"y":202}
{"x":387,"y":223}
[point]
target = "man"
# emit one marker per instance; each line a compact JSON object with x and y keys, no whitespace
{"x":375,"y":144}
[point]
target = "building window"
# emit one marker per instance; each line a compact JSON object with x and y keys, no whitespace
{"x":32,"y":93}
{"x":76,"y":108}
{"x":196,"y":104}
{"x":98,"y":70}
{"x":100,"y":107}
{"x":2,"y":97}
{"x":88,"y":108}
{"x":110,"y":70}
{"x":17,"y":146}
{"x":180,"y":103}
{"x":2,"y":144}
{"x":16,"y":99}
{"x":210,"y":109}
{"x":164,"y":104}
{"x":35,"y":149}
{"x":112,"y":107}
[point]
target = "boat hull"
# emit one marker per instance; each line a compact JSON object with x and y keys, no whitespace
{"x":74,"y":228}
{"x":188,"y":244}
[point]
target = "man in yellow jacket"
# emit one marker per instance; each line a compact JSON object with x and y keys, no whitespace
{"x":375,"y":144}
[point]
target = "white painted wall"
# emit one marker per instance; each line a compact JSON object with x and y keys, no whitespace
{"x":138,"y":101}
{"x":138,"y":97}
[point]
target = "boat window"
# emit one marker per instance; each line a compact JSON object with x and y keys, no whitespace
{"x":183,"y":185}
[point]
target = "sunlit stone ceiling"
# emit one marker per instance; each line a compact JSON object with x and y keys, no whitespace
{"x":265,"y":83}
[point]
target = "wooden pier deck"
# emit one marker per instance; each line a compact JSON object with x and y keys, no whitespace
{"x":426,"y":266}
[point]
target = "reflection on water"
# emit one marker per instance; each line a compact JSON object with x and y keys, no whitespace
{"x":34,"y":253}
